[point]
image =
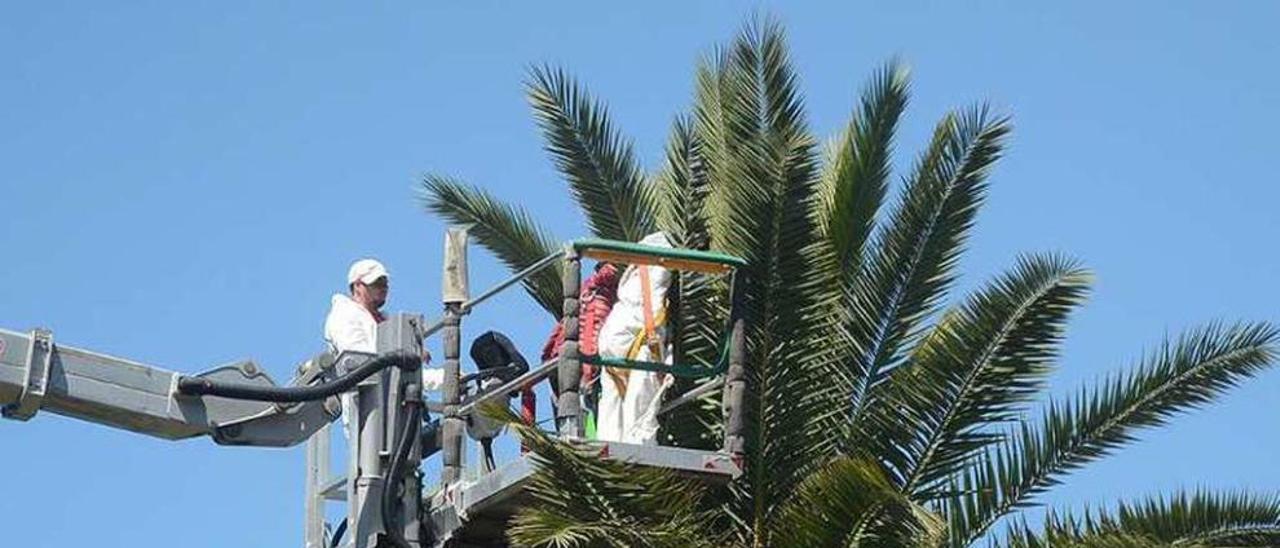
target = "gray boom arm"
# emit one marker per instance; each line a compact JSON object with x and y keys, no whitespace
{"x":36,"y":374}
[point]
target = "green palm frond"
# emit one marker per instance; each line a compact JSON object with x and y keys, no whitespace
{"x":1180,"y":376}
{"x":917,"y":250}
{"x":856,"y":176}
{"x":977,"y":368}
{"x":1026,"y":538}
{"x":597,"y":161}
{"x":682,"y":189}
{"x":830,"y":508}
{"x":697,"y":312}
{"x":507,"y":231}
{"x":1201,"y":519}
{"x":697,"y":304}
{"x":761,"y":165}
{"x":852,"y":186}
{"x":581,"y":499}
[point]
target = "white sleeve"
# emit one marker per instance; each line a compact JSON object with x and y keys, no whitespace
{"x":347,"y":331}
{"x":432,"y":378}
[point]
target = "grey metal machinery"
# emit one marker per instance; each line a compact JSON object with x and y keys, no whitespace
{"x":236,"y":404}
{"x":239,"y":405}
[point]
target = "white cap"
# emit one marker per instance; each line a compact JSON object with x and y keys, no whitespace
{"x":366,"y":271}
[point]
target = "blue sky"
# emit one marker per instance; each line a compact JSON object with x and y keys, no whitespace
{"x":186,"y":185}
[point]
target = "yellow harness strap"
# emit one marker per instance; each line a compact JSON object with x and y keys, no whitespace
{"x":648,"y":337}
{"x":650,"y":330}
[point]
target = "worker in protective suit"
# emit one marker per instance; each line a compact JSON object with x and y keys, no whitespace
{"x":635,"y":329}
{"x":352,"y":323}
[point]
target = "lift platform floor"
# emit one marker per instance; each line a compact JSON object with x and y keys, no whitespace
{"x":475,"y":512}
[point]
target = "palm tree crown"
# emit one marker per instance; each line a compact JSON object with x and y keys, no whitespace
{"x":875,"y":417}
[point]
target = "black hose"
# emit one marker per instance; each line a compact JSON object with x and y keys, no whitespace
{"x":198,"y":386}
{"x":395,"y":473}
{"x":391,"y":484}
{"x":337,"y":534}
{"x":506,"y":373}
{"x":489,"y":462}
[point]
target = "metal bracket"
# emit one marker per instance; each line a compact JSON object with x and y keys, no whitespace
{"x":35,"y":377}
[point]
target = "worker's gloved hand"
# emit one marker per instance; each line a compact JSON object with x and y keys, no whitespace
{"x":432,"y":378}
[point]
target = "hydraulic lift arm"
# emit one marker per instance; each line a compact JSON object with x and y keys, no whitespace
{"x":239,"y":404}
{"x":37,"y":374}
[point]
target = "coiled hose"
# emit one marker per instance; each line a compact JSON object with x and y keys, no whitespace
{"x":200,"y":386}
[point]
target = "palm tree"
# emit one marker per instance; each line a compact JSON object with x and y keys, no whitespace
{"x":875,"y":416}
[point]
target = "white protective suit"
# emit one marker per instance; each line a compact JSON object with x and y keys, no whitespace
{"x":350,"y":326}
{"x":630,"y":414}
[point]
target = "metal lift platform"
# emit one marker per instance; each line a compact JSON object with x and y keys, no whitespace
{"x":240,"y":405}
{"x":476,"y":512}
